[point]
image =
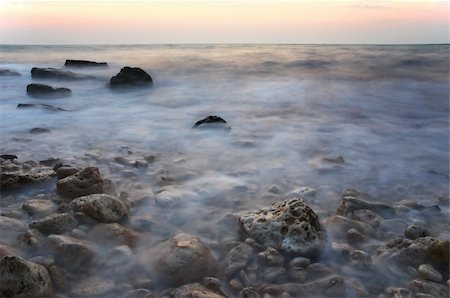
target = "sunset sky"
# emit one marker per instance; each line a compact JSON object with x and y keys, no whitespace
{"x":154,"y":22}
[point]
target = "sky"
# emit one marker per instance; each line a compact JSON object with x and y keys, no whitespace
{"x":251,"y":21}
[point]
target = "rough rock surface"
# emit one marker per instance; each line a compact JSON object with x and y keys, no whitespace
{"x":20,"y":278}
{"x":439,"y":251}
{"x":94,"y":287}
{"x":350,"y":203}
{"x":11,"y":229}
{"x":194,"y":290}
{"x":402,"y":252}
{"x":101,"y":207}
{"x":86,"y":182}
{"x":65,"y":171}
{"x":429,"y":273}
{"x":181,"y":259}
{"x":40,"y":106}
{"x":212,"y":122}
{"x":289,"y":225}
{"x":84,"y":63}
{"x":15,"y":175}
{"x":428,"y":287}
{"x":337,"y":226}
{"x":58,"y":223}
{"x":71,"y":252}
{"x":131,"y":77}
{"x":237,"y":258}
{"x":39,"y":207}
{"x":9,"y":73}
{"x":113,"y":234}
{"x":45,"y":91}
{"x":414,"y":231}
{"x":54,"y":73}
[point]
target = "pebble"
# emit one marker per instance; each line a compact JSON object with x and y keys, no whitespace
{"x":427,"y":272}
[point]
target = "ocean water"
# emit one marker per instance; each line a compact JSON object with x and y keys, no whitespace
{"x":384,"y":109}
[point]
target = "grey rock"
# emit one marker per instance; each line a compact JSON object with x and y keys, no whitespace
{"x":392,"y":292}
{"x":101,"y":207}
{"x":271,"y":257}
{"x":439,"y":251}
{"x":13,"y":175}
{"x":289,"y":225}
{"x":39,"y":207}
{"x":249,"y":292}
{"x":428,"y":287}
{"x":368,"y":217}
{"x":54,"y":73}
{"x":212,"y":122}
{"x":58,"y":277}
{"x":46,"y":91}
{"x":11,"y":229}
{"x":20,"y":278}
{"x":93,"y":287}
{"x":414,"y":231}
{"x":40,"y":106}
{"x":194,"y":290}
{"x":65,"y":171}
{"x":402,"y":252}
{"x":84,"y":63}
{"x":337,"y":226}
{"x":113,"y":234}
{"x":71,"y":252}
{"x":299,"y":262}
{"x":427,"y":272}
{"x":58,"y":223}
{"x":86,"y":182}
{"x":131,"y":77}
{"x":237,"y":258}
{"x":138,"y":293}
{"x":4,"y":72}
{"x":38,"y":130}
{"x":350,"y":203}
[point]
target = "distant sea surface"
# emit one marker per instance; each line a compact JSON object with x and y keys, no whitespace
{"x":384,"y":109}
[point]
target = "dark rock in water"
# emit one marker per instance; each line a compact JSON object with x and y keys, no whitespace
{"x":15,"y":175}
{"x":20,"y":278}
{"x":40,"y":130}
{"x":11,"y":229}
{"x":86,"y":182}
{"x":40,"y":106}
{"x":9,"y":73}
{"x":71,"y":252}
{"x":84,"y":63}
{"x":44,"y":91}
{"x":131,"y":77}
{"x":8,"y":156}
{"x":350,"y":202}
{"x":415,"y":231}
{"x":101,"y":207}
{"x":212,"y":122}
{"x":54,"y":73}
{"x":58,"y":223}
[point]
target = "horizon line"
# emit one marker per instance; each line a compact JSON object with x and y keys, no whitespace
{"x":224,"y":43}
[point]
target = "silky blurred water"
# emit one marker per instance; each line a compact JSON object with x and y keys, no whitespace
{"x":385,"y":109}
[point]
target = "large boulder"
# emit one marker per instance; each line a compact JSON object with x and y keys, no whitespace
{"x":71,"y":252}
{"x":212,"y":122}
{"x":101,"y":207}
{"x":54,"y":73}
{"x":290,"y":225}
{"x":15,"y":174}
{"x":58,"y":223}
{"x":131,"y":77}
{"x":181,"y":259}
{"x":46,"y":91}
{"x":20,"y":278}
{"x":84,"y":63}
{"x":86,"y":182}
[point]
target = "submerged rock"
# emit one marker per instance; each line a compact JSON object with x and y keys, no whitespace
{"x":40,"y":106}
{"x":71,"y":252}
{"x":93,"y":287}
{"x":84,"y":63}
{"x":101,"y":207}
{"x":54,"y":73}
{"x":237,"y":258}
{"x":113,"y":234}
{"x":131,"y":77}
{"x":37,"y":130}
{"x":4,"y":72}
{"x":212,"y":122}
{"x":290,"y":225}
{"x":85,"y":182}
{"x":428,"y":287}
{"x":58,"y":223}
{"x":20,"y":278}
{"x":351,"y":203}
{"x":45,"y":91}
{"x":181,"y":259}
{"x":429,"y":273}
{"x":196,"y":290}
{"x":414,"y":231}
{"x":11,"y":229}
{"x":402,"y":252}
{"x":439,"y":251}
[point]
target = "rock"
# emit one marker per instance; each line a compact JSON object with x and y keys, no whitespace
{"x":350,"y":204}
{"x":274,"y":274}
{"x":414,"y":231}
{"x":11,"y":229}
{"x":39,"y":207}
{"x":40,"y":106}
{"x":439,"y":251}
{"x":237,"y":258}
{"x":71,"y":252}
{"x":402,"y":252}
{"x":194,"y":290}
{"x":360,"y":259}
{"x":398,"y":292}
{"x":54,"y":73}
{"x":131,"y":77}
{"x":65,"y":171}
{"x":58,"y":223}
{"x":337,"y":226}
{"x":139,"y":293}
{"x":37,"y":130}
{"x":271,"y":257}
{"x":9,"y":73}
{"x":181,"y":259}
{"x":84,"y":63}
{"x":113,"y":234}
{"x":367,"y":217}
{"x":355,"y":238}
{"x":429,"y":273}
{"x":93,"y":287}
{"x":249,"y":292}
{"x":290,"y":225}
{"x":86,"y":182}
{"x":8,"y":156}
{"x":428,"y":287}
{"x":336,"y":160}
{"x":20,"y":278}
{"x":58,"y":277}
{"x":393,"y":225}
{"x":6,"y":250}
{"x":101,"y":207}
{"x":17,"y":175}
{"x":31,"y":240}
{"x":212,"y":122}
{"x":45,"y":91}
{"x":299,"y":262}
{"x":298,"y":274}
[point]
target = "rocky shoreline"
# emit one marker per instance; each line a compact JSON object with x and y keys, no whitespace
{"x":84,"y":236}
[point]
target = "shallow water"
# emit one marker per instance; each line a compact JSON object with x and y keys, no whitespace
{"x":384,"y":109}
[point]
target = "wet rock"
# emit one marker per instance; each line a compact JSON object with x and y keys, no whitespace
{"x":139,"y":293}
{"x":93,"y":287}
{"x":71,"y":252}
{"x":336,"y":160}
{"x":237,"y":258}
{"x":11,"y":229}
{"x":414,"y":231}
{"x":249,"y":292}
{"x":54,"y":73}
{"x":40,"y":106}
{"x":360,"y":259}
{"x":338,"y":226}
{"x":427,"y":272}
{"x":31,"y":240}
{"x":86,"y":182}
{"x":38,"y":130}
{"x":131,"y":77}
{"x":392,"y":292}
{"x":194,"y":290}
{"x":101,"y":207}
{"x":439,"y":251}
{"x":298,"y":274}
{"x":181,"y":259}
{"x":368,"y":217}
{"x":58,"y":277}
{"x":58,"y":223}
{"x":13,"y":176}
{"x":289,"y":225}
{"x":8,"y":156}
{"x":305,"y":192}
{"x":402,"y":252}
{"x":350,"y":203}
{"x":84,"y":63}
{"x":355,"y":238}
{"x":271,"y":257}
{"x":9,"y":73}
{"x":65,"y":171}
{"x":20,"y":278}
{"x":6,"y":250}
{"x":274,"y":274}
{"x":46,"y":91}
{"x":428,"y":287}
{"x":113,"y":234}
{"x":39,"y":207}
{"x":394,"y":225}
{"x":121,"y":261}
{"x":299,"y":262}
{"x":212,"y":122}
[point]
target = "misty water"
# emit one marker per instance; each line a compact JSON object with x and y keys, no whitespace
{"x":292,"y":109}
